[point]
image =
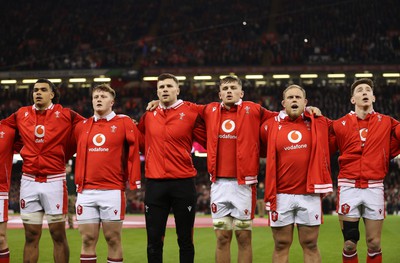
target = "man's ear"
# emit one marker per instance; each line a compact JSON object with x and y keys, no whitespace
{"x":242,"y":94}
{"x":179,"y":90}
{"x":352,"y":100}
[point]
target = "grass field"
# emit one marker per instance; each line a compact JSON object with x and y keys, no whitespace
{"x":134,"y":242}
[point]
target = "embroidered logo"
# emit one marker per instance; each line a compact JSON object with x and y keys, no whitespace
{"x":247,"y":108}
{"x":379,"y":118}
{"x":113,"y":128}
{"x":214,"y":109}
{"x":2,"y":134}
{"x":115,"y":212}
{"x":154,"y":113}
{"x":58,"y":206}
{"x":22,"y":202}
{"x":246,"y":211}
{"x":189,"y":208}
{"x":79,"y":210}
{"x":214,"y":208}
{"x":345,"y":209}
{"x":344,"y":123}
{"x":294,"y":136}
{"x":181,"y":115}
{"x":57,"y":113}
{"x":274,"y":216}
{"x":26,"y":114}
{"x":146,"y":208}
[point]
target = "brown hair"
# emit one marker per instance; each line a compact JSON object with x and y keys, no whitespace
{"x":106,"y":88}
{"x":229,"y":79}
{"x":361,"y":81}
{"x":164,"y":76}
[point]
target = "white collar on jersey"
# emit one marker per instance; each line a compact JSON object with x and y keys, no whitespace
{"x":175,"y":105}
{"x":108,"y":117}
{"x":50,"y":106}
{"x":236,"y":103}
{"x":282,"y":115}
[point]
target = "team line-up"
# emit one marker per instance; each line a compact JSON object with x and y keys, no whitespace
{"x":297,"y":143}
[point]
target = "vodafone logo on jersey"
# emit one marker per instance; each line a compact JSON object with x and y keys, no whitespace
{"x":39,"y":133}
{"x":294,"y":136}
{"x":228,"y":126}
{"x":363,"y":134}
{"x":98,"y":140}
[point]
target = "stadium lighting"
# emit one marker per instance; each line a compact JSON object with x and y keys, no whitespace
{"x":210,"y":83}
{"x":364,"y":75}
{"x":254,"y":76}
{"x":77,"y":80}
{"x":336,"y":75}
{"x":102,"y":79}
{"x":29,"y":81}
{"x":202,"y":77}
{"x":308,"y":76}
{"x":391,"y":75}
{"x":152,"y":78}
{"x":23,"y":87}
{"x":8,"y":81}
{"x":281,"y":76}
{"x":181,"y":77}
{"x":55,"y":80}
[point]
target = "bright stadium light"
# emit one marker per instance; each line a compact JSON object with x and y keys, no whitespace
{"x":150,"y":78}
{"x":391,"y":75}
{"x":29,"y":81}
{"x":77,"y":80}
{"x":364,"y":75}
{"x":336,"y":75}
{"x":102,"y":79}
{"x":281,"y":76}
{"x":180,"y":77}
{"x":202,"y":77}
{"x":8,"y":81}
{"x":254,"y":76}
{"x":55,"y":80}
{"x":308,"y":76}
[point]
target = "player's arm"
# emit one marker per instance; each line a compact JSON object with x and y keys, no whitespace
{"x":200,"y":132}
{"x":132,"y":136}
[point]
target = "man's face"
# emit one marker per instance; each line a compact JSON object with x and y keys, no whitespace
{"x":294,"y":102}
{"x":167,"y":92}
{"x":363,"y":96}
{"x":42,"y":95}
{"x":102,"y":102}
{"x":230,"y":93}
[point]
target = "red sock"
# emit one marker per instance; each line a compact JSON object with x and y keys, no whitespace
{"x":5,"y":256}
{"x":88,"y":258}
{"x":374,"y":257}
{"x":114,"y":260}
{"x":349,"y":257}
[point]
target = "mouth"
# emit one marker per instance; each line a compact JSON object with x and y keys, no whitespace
{"x":295,"y":106}
{"x":365,"y":99}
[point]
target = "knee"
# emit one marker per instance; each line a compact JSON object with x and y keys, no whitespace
{"x":374,"y":243}
{"x":3,"y":240}
{"x":243,"y":238}
{"x":351,"y":235}
{"x":224,"y":238}
{"x":310,"y":244}
{"x":113,"y":240}
{"x":349,"y":246}
{"x":282,"y":244}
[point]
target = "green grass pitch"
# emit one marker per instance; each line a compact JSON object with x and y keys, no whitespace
{"x":134,"y":243}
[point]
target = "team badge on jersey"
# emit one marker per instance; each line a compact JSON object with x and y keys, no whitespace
{"x":214,"y":208}
{"x":39,"y":131}
{"x":294,"y":136}
{"x":2,"y":134}
{"x":99,"y":139}
{"x":79,"y":210}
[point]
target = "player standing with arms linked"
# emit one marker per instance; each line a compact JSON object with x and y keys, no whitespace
{"x":297,"y":174}
{"x":45,"y":130}
{"x":107,"y":159}
{"x":363,"y":139}
{"x":168,"y":133}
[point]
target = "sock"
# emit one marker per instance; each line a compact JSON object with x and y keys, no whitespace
{"x":374,"y":257}
{"x":349,"y":257}
{"x":88,"y":258}
{"x":115,"y":260}
{"x":5,"y":256}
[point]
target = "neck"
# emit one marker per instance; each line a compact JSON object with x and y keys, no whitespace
{"x":102,"y":114}
{"x":362,"y":112}
{"x":42,"y":107}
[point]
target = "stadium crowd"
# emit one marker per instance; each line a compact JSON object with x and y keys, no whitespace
{"x":180,"y":33}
